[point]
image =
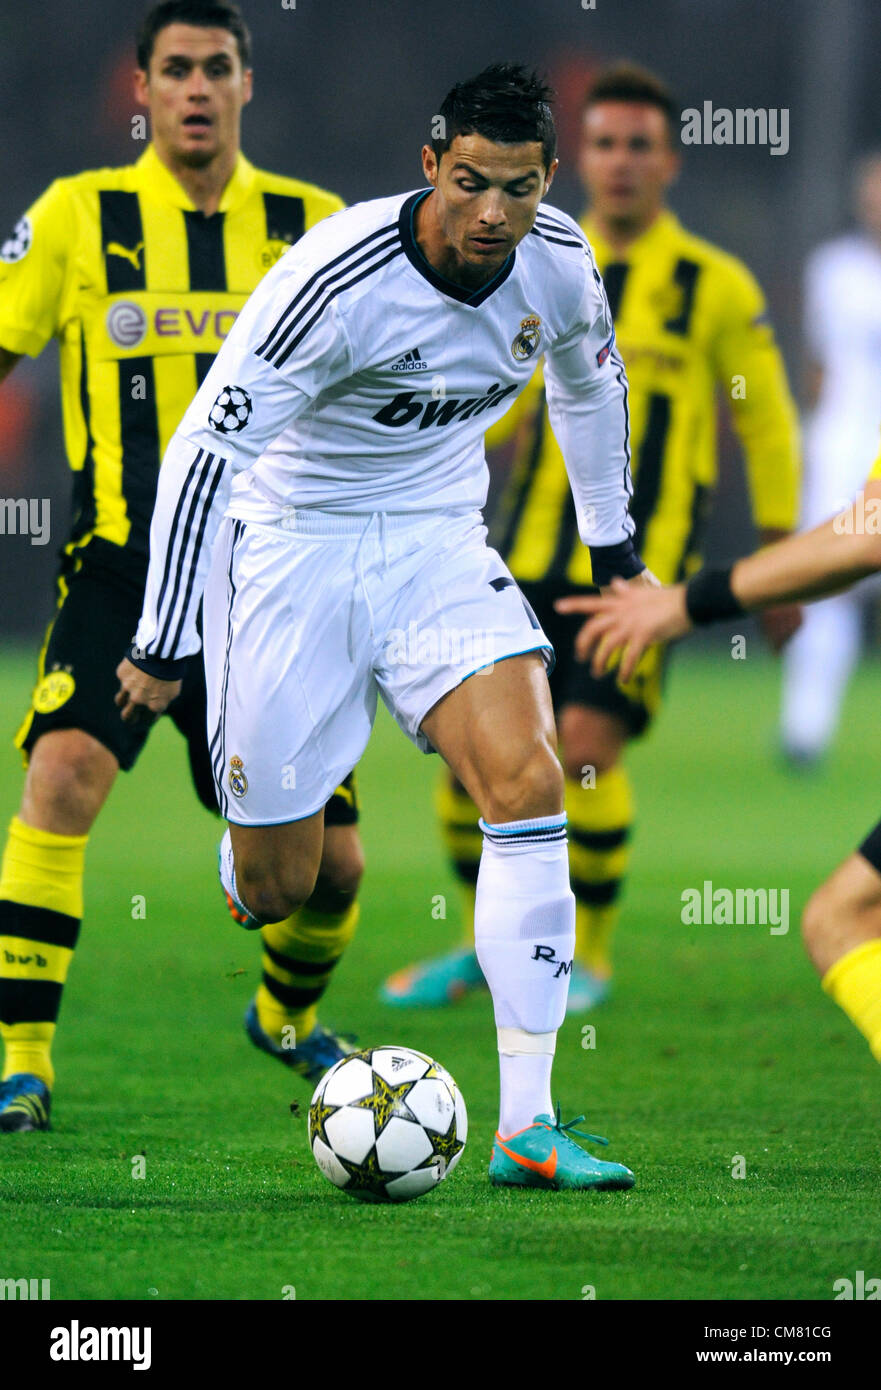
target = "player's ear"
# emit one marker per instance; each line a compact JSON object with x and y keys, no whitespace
{"x":142,"y":87}
{"x":247,"y":85}
{"x":674,"y":164}
{"x":429,"y":165}
{"x":549,"y":176}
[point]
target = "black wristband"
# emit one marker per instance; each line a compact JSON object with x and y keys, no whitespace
{"x":708,"y":597}
{"x":160,"y":667}
{"x":610,"y":561}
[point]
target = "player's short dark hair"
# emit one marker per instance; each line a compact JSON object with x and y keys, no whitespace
{"x":507,"y":103}
{"x":205,"y":14}
{"x":630,"y":82}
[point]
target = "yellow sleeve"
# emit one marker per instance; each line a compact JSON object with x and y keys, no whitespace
{"x":321,"y":204}
{"x":876,"y":468}
{"x":33,"y":273}
{"x":750,"y":368}
{"x":524,"y":407}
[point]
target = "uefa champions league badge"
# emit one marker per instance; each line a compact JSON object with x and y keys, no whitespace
{"x":231,"y":411}
{"x":238,"y":782}
{"x":525,"y":345}
{"x":18,"y":243}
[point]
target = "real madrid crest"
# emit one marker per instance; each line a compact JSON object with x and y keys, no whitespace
{"x":526,"y":343}
{"x":238,"y":782}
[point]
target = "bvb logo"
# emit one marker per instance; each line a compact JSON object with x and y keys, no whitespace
{"x":525,"y":345}
{"x":53,"y":691}
{"x":238,"y":782}
{"x":273,"y":250}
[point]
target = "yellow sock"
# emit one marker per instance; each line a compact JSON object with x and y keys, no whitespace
{"x":299,"y":956}
{"x":463,"y":840}
{"x":854,"y":982}
{"x":41,"y":905}
{"x":600,"y":820}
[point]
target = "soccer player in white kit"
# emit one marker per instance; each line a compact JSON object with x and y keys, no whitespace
{"x":325,"y":489}
{"x":843,"y":330}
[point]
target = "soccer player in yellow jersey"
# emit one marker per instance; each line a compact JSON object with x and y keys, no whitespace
{"x":139,"y":272}
{"x":690,"y":322}
{"x":841,"y":924}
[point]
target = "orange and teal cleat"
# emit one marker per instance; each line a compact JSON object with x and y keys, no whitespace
{"x":545,"y":1155}
{"x":434,"y":983}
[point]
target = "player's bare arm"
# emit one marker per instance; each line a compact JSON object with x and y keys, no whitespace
{"x":807,"y":566}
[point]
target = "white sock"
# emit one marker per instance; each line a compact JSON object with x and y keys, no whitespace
{"x":525,"y":1086}
{"x":524,"y":933}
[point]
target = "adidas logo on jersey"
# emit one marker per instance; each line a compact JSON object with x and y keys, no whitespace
{"x":410,"y":362}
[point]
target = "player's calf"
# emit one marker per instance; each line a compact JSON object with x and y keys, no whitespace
{"x":341,"y":870}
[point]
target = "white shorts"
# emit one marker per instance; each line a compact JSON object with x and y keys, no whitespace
{"x":305,"y":621}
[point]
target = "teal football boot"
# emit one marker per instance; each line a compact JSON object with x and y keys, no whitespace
{"x":446,"y":979}
{"x":433,"y":983}
{"x":25,"y":1102}
{"x":586,"y":990}
{"x":545,"y":1155}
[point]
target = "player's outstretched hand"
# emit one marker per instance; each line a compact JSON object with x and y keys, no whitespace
{"x":141,"y":697}
{"x":627,"y":618}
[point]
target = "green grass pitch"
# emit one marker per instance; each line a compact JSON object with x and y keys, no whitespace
{"x":718,"y":1043}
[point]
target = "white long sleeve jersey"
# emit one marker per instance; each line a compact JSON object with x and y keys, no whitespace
{"x":358,"y":379}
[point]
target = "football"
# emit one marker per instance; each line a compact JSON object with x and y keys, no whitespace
{"x":387,"y":1124}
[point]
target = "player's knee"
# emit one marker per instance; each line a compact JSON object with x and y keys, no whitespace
{"x":813,"y":921}
{"x":577,"y":759}
{"x":68,"y":778}
{"x":271,"y":892}
{"x":590,"y":739}
{"x":530,"y":786}
{"x":341,"y":871}
{"x":823,"y":919}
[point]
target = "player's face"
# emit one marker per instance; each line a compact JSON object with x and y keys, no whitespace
{"x":195,"y":89}
{"x":627,"y":162}
{"x":487,"y":197}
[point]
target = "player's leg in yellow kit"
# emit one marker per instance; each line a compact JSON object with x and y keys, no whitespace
{"x":41,"y":905}
{"x":841,"y":927}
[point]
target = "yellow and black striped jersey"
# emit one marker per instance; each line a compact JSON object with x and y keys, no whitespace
{"x":140,"y":288}
{"x":690,"y":320}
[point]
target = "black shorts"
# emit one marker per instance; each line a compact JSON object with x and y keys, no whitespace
{"x":571,"y":681}
{"x":871,"y":848}
{"x":96,"y":618}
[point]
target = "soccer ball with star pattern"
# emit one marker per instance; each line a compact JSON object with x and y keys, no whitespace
{"x":387,"y":1124}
